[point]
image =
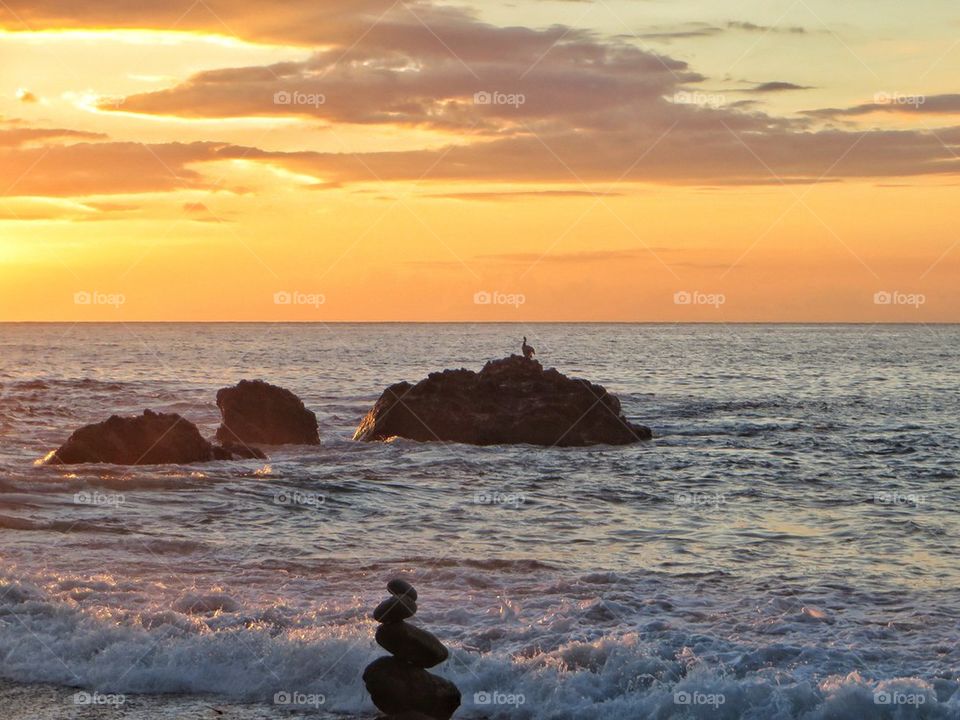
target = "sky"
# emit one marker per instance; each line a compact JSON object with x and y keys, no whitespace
{"x":531,"y":160}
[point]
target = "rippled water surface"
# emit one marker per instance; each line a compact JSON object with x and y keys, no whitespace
{"x":786,"y":546}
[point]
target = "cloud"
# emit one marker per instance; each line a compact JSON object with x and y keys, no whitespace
{"x":403,"y":72}
{"x":752,"y":27}
{"x":948,"y":104}
{"x":690,"y":30}
{"x":576,"y":107}
{"x":25,"y":96}
{"x":103,"y":168}
{"x":776,"y":86}
{"x":524,"y":195}
{"x":576,"y":257}
{"x":14,"y":135}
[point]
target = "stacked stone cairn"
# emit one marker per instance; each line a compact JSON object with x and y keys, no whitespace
{"x":399,"y":683}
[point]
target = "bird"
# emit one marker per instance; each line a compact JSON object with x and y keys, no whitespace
{"x":528,"y":352}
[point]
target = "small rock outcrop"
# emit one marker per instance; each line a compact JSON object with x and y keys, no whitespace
{"x":399,"y":683}
{"x":255,"y":411}
{"x":148,"y":439}
{"x":510,"y":401}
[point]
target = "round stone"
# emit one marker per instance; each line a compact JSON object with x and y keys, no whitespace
{"x":411,"y":644}
{"x":394,"y":609}
{"x":401,"y":587}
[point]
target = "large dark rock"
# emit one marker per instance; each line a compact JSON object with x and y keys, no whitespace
{"x":510,"y":401}
{"x":257,"y":412}
{"x":411,"y":644}
{"x":148,"y":439}
{"x":397,"y":687}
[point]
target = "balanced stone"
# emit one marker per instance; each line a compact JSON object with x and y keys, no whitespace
{"x":411,"y":644}
{"x":394,"y":609}
{"x":397,"y":687}
{"x":402,"y":587}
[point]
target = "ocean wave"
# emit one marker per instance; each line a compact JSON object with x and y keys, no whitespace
{"x":618,"y":676}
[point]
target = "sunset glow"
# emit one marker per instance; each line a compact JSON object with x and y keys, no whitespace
{"x":528,"y":161}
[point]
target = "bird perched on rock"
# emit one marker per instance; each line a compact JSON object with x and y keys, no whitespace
{"x":528,"y":352}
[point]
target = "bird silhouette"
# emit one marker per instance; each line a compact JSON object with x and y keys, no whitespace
{"x":528,"y":352}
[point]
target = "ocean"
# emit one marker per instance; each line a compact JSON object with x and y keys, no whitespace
{"x":785,"y":547}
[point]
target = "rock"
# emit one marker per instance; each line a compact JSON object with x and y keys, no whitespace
{"x":397,"y":687}
{"x":411,"y":644}
{"x":256,"y":412}
{"x":394,"y":609}
{"x":398,"y":586}
{"x":148,"y":439}
{"x":509,"y":401}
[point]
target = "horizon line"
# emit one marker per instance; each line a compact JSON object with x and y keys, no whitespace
{"x":478,"y":322}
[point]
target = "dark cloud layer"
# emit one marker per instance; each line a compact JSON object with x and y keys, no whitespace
{"x":553,"y":105}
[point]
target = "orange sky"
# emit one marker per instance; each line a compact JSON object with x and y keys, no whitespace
{"x":526,"y":161}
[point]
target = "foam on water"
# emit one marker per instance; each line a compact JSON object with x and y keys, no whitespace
{"x":253,"y":657}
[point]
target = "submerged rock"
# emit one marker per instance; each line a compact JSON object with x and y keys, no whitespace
{"x":148,"y":439}
{"x":397,"y":687}
{"x":237,"y":451}
{"x":257,"y":412}
{"x":510,"y":401}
